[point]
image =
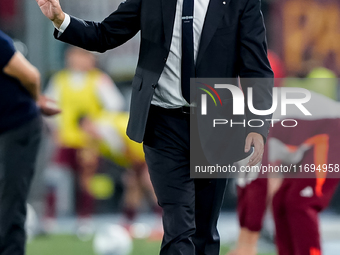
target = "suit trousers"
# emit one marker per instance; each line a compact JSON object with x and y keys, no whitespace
{"x":18,"y":151}
{"x":190,"y":206}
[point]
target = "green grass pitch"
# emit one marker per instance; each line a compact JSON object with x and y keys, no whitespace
{"x":71,"y":245}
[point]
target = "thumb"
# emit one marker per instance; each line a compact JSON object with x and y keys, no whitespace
{"x":248,"y":143}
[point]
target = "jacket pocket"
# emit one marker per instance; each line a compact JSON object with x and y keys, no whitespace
{"x":224,"y":31}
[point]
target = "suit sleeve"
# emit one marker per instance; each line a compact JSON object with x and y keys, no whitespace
{"x":116,"y":29}
{"x":255,"y":70}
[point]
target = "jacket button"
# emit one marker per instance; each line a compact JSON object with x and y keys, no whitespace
{"x":154,"y":85}
{"x":165,"y":59}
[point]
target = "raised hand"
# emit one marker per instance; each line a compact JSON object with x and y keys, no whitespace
{"x":52,"y":10}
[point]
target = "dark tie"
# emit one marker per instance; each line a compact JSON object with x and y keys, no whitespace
{"x":188,"y":65}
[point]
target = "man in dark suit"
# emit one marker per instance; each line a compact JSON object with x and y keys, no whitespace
{"x":180,"y":39}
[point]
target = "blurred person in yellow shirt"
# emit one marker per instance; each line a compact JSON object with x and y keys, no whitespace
{"x":80,"y":90}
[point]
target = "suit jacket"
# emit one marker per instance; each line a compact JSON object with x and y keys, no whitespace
{"x":233,"y":43}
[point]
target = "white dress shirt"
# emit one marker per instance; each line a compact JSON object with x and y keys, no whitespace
{"x":168,"y":93}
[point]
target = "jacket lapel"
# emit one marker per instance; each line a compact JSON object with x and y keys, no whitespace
{"x":168,"y":11}
{"x":215,"y":12}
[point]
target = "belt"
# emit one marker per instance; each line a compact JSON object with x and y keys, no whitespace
{"x":184,"y":110}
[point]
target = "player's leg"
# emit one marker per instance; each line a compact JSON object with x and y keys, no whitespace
{"x":18,"y":150}
{"x":87,"y":164}
{"x":303,"y":216}
{"x":241,"y":213}
{"x":64,"y":167}
{"x":255,"y":208}
{"x":166,"y":146}
{"x":283,"y":237}
{"x":305,"y":206}
{"x":251,"y":207}
{"x":146,"y":185}
{"x":132,"y":196}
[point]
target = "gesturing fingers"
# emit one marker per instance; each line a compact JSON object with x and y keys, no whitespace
{"x":249,"y":141}
{"x":255,"y":140}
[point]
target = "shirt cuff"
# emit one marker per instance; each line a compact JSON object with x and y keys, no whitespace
{"x":64,"y":25}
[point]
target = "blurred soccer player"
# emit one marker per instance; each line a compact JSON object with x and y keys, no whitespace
{"x":20,"y":131}
{"x":108,"y":133}
{"x":80,"y":90}
{"x":313,"y":143}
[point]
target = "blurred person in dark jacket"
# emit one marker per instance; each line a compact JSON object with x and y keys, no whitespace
{"x":20,"y":132}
